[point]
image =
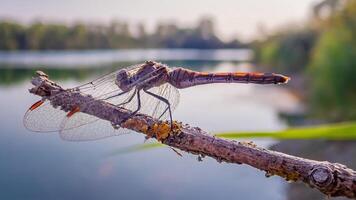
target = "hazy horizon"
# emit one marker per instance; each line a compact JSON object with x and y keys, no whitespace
{"x":234,"y":19}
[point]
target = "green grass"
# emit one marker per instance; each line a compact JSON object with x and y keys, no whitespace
{"x":340,"y":131}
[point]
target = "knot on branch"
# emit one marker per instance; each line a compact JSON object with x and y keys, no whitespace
{"x":43,"y":86}
{"x":321,"y":176}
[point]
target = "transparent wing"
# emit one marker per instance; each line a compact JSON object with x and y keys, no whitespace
{"x":98,"y":129}
{"x":43,"y":117}
{"x":104,"y":86}
{"x":85,"y":127}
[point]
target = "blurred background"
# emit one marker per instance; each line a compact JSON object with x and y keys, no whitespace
{"x":312,"y":41}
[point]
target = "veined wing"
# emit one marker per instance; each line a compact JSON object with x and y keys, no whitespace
{"x":43,"y":117}
{"x":105,"y":86}
{"x":97,"y":129}
{"x":84,"y":127}
{"x":104,"y":89}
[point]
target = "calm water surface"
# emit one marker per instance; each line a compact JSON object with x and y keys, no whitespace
{"x":42,"y":166}
{"x":83,"y":58}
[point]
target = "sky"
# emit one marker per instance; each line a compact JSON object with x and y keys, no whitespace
{"x":234,"y":18}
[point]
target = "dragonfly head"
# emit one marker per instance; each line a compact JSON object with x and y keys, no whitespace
{"x":121,"y":77}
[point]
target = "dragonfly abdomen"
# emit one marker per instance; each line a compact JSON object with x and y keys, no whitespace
{"x":253,"y":77}
{"x":183,"y":78}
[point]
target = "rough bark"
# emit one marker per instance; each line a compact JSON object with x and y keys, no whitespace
{"x":332,"y":179}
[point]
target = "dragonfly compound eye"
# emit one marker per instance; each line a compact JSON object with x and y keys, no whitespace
{"x":121,"y":75}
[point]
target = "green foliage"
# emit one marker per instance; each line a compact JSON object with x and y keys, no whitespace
{"x":322,"y":57}
{"x":341,"y":131}
{"x":269,"y":53}
{"x":333,"y":68}
{"x":11,"y":36}
{"x":39,"y":36}
{"x":286,"y":52}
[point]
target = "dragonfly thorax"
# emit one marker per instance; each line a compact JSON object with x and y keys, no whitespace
{"x":150,"y":74}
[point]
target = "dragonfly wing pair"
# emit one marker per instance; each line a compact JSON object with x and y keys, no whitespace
{"x":78,"y":127}
{"x":43,"y":117}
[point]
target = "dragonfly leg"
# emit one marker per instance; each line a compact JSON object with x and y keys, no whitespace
{"x":165,"y":101}
{"x":116,"y":95}
{"x":138,"y":104}
{"x":128,"y":100}
{"x":165,"y":110}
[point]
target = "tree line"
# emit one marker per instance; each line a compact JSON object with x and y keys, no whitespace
{"x":116,"y":35}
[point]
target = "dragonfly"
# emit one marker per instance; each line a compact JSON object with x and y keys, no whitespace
{"x":149,"y":88}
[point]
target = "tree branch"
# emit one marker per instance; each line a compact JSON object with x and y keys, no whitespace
{"x":332,"y":179}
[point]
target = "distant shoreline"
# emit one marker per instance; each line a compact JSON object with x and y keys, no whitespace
{"x":102,"y":56}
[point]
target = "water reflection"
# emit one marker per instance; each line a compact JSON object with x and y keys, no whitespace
{"x":41,"y":166}
{"x":85,"y":58}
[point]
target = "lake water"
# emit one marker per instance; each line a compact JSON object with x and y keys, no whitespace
{"x":96,"y":57}
{"x":42,"y":166}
